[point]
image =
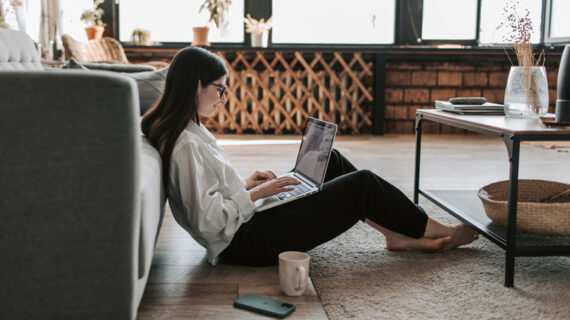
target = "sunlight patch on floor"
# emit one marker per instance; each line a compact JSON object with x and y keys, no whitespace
{"x":231,"y":142}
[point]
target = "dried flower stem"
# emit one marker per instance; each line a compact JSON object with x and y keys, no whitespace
{"x":520,"y":34}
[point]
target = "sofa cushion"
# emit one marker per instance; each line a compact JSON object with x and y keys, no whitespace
{"x":153,"y":199}
{"x":17,"y":52}
{"x":150,"y":83}
{"x":115,"y":67}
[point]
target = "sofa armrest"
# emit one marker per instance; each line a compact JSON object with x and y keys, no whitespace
{"x":69,"y":186}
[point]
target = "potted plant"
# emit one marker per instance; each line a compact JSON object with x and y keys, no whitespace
{"x":218,"y":15}
{"x":141,"y":36}
{"x":93,"y":20}
{"x":526,"y":93}
{"x":259,"y":30}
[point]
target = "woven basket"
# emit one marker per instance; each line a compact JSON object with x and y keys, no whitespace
{"x":543,"y":206}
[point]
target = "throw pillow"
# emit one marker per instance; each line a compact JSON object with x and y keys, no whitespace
{"x":73,"y":64}
{"x":127,"y":68}
{"x":150,"y":83}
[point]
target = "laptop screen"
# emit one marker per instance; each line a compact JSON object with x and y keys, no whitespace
{"x":315,"y":150}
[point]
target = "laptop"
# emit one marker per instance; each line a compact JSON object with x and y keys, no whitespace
{"x":310,"y":167}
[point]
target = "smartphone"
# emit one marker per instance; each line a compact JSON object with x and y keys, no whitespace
{"x":264,"y":305}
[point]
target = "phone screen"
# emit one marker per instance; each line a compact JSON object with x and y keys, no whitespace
{"x":264,"y":305}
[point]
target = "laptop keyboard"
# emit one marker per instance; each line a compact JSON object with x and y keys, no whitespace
{"x":298,"y":189}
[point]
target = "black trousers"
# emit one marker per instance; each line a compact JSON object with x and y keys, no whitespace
{"x":348,"y":195}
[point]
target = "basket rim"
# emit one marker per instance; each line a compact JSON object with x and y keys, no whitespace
{"x":527,"y":203}
{"x":527,"y":180}
{"x":547,"y":218}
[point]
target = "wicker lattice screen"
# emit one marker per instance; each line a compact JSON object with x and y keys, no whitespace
{"x":275,"y":92}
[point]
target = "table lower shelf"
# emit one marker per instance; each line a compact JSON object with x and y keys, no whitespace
{"x":466,"y":206}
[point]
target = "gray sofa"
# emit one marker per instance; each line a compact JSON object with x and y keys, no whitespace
{"x":81,"y":198}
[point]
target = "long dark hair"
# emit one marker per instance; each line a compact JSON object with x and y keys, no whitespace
{"x":163,"y":123}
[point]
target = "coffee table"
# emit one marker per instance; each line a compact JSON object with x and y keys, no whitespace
{"x":466,"y":206}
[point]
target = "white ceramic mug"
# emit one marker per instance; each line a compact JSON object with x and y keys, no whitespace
{"x":293,"y":272}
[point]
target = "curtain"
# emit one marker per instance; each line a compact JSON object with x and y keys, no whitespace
{"x":3,"y":23}
{"x":21,"y":15}
{"x":51,"y":29}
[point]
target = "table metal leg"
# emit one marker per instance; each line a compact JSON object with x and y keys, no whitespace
{"x":514,"y":153}
{"x":418,"y":151}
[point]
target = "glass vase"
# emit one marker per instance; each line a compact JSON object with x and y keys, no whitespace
{"x":526,"y":94}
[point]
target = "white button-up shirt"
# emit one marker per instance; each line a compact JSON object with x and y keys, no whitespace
{"x":207,"y":196}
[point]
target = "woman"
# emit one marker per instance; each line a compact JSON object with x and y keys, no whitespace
{"x":210,"y":200}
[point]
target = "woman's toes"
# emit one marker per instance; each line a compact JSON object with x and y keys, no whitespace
{"x":462,"y":235}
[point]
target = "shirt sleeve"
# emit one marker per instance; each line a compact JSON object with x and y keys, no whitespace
{"x":203,"y":181}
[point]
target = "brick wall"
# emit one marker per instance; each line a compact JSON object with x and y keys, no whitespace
{"x":414,"y":79}
{"x":415,"y":84}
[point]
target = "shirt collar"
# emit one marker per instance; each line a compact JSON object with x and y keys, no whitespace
{"x":201,"y":131}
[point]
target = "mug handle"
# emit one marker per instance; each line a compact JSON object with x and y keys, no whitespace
{"x":302,"y":274}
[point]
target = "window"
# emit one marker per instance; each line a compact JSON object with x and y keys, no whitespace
{"x":172,"y":20}
{"x":559,"y":25}
{"x":71,"y":23}
{"x":325,"y":21}
{"x":492,"y":14}
{"x":355,"y":22}
{"x":449,"y":19}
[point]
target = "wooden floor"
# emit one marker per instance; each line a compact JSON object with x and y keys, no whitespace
{"x":182,"y":285}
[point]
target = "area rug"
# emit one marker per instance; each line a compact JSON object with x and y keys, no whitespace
{"x":356,"y":278}
{"x":562,"y":146}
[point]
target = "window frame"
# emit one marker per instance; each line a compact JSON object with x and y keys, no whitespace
{"x":464,"y":42}
{"x":547,"y":16}
{"x":407,"y":31}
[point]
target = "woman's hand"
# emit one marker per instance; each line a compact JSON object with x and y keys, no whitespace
{"x":272,"y":187}
{"x":258,"y":178}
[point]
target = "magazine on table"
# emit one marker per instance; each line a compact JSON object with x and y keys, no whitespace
{"x":485,"y":108}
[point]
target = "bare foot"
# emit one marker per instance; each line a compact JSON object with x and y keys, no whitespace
{"x":399,"y":242}
{"x":461,"y":235}
{"x":437,"y":239}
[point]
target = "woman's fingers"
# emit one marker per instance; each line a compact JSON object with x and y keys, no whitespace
{"x":285,"y":181}
{"x":278,"y":185}
{"x":261,"y":175}
{"x":281,"y":188}
{"x":265,"y":175}
{"x":270,"y":174}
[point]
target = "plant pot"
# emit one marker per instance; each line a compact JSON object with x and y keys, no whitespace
{"x":95,"y":32}
{"x":200,"y":37}
{"x":526,"y":94}
{"x":259,"y":40}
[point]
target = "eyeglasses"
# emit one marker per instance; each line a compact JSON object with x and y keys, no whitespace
{"x":221,"y":86}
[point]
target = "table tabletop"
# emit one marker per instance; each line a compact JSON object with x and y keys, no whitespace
{"x":500,"y":123}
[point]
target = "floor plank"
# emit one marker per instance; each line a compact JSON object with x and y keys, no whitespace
{"x":191,"y":293}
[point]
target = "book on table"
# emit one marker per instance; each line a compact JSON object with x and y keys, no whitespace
{"x":485,"y":108}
